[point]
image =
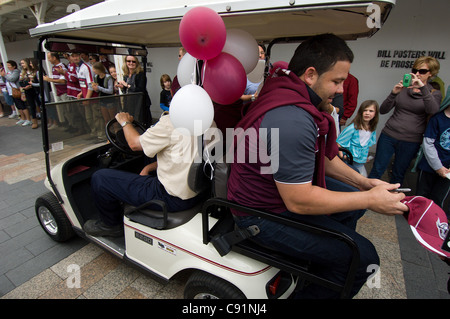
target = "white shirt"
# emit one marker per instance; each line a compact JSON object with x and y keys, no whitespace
{"x":176,"y":153}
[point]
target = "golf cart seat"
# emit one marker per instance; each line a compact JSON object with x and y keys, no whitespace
{"x":154,"y":213}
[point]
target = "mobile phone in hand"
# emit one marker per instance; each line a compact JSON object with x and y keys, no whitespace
{"x":407,"y":80}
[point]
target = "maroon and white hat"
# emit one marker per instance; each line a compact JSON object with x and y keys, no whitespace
{"x":428,"y":223}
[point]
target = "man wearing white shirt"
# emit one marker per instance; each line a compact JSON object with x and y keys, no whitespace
{"x":91,"y":110}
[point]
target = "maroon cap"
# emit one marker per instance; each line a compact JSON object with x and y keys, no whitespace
{"x":278,"y":65}
{"x":428,"y":223}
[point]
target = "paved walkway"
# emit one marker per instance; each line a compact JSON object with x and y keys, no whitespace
{"x":32,"y":266}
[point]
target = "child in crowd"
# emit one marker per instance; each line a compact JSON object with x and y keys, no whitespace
{"x":113,"y":72}
{"x":360,"y":135}
{"x":433,"y":179}
{"x":103,"y":82}
{"x":166,"y":95}
{"x":104,"y":85}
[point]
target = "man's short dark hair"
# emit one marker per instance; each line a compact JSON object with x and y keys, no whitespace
{"x":321,"y":52}
{"x":55,"y":55}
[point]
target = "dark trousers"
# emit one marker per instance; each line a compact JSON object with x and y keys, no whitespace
{"x":111,"y":188}
{"x":404,"y":153}
{"x":331,"y":257}
{"x":33,"y":101}
{"x":20,"y":105}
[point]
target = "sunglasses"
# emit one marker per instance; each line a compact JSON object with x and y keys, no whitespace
{"x":421,"y":71}
{"x":131,"y":61}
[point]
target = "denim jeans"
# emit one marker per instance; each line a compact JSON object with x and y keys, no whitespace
{"x":404,"y":153}
{"x":331,"y":257}
{"x":111,"y":187}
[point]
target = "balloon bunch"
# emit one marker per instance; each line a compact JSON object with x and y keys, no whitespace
{"x":228,"y":56}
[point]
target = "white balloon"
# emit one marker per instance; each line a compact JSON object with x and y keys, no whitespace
{"x":243,"y":47}
{"x":257,"y":74}
{"x":191,"y":110}
{"x":186,"y":70}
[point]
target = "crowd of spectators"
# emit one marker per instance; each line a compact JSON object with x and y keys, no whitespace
{"x":73,"y":76}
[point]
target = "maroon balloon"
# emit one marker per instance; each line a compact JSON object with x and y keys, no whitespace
{"x":202,"y":33}
{"x":224,"y":79}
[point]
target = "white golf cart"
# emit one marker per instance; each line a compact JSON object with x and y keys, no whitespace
{"x":223,"y":262}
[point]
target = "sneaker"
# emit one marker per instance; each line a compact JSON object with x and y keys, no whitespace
{"x":1,"y":114}
{"x":12,"y":115}
{"x":26,"y":123}
{"x":20,"y":122}
{"x":52,"y":126}
{"x":98,"y":228}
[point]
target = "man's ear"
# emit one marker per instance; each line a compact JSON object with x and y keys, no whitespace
{"x":310,"y":76}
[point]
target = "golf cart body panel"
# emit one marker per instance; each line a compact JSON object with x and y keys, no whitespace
{"x":182,"y":248}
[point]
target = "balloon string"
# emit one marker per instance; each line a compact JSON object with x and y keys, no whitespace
{"x":203,"y":73}
{"x":193,"y":75}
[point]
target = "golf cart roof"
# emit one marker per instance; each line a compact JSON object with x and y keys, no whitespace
{"x":155,"y":23}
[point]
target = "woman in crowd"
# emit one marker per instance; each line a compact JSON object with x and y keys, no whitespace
{"x":104,"y":85}
{"x":12,"y":77}
{"x":52,"y":122}
{"x":32,"y":98}
{"x":135,"y":80}
{"x":8,"y":99}
{"x":403,"y":132}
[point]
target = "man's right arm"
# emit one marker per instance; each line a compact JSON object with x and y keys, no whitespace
{"x":308,"y":199}
{"x":296,"y":161}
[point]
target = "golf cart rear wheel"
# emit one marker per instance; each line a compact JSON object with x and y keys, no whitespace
{"x":52,"y":218}
{"x":202,"y":285}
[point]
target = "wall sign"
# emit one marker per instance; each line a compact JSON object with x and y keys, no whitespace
{"x":404,"y":59}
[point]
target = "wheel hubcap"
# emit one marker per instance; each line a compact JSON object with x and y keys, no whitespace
{"x":205,"y":296}
{"x":47,"y":220}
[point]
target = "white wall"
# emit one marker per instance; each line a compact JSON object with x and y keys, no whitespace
{"x":21,"y":49}
{"x":165,"y":61}
{"x":415,"y":25}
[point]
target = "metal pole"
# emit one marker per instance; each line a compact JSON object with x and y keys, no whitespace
{"x":2,"y":47}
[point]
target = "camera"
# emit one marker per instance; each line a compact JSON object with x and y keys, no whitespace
{"x":407,"y":80}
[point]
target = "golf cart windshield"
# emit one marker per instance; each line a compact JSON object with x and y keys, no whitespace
{"x":67,"y":141}
{"x":85,"y":119}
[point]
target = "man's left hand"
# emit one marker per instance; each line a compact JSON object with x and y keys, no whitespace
{"x":124,"y":117}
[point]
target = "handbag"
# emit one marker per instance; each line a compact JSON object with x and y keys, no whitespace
{"x":16,"y":93}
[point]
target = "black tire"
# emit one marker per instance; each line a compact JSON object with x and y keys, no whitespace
{"x":52,"y":218}
{"x":202,"y":285}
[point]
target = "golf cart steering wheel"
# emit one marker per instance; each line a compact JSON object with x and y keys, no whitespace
{"x":115,"y":134}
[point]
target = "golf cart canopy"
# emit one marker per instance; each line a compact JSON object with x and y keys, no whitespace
{"x":155,"y":23}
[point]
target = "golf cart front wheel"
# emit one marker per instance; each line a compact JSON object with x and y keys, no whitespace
{"x":52,"y":218}
{"x":202,"y":285}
